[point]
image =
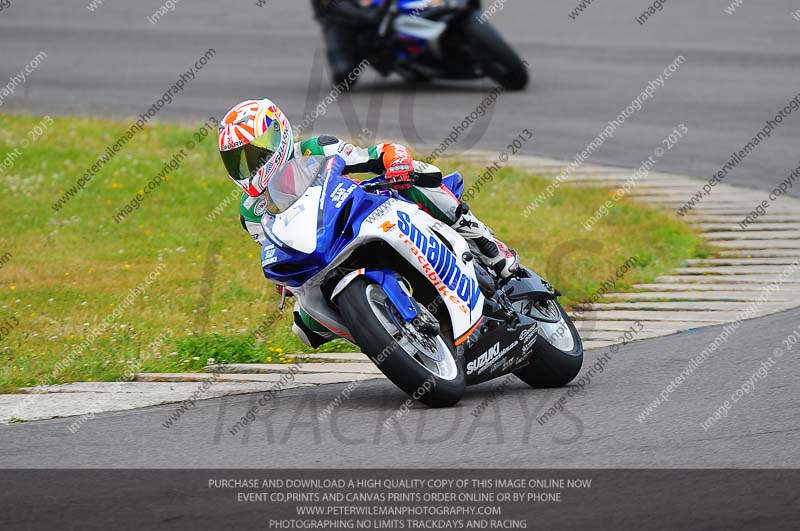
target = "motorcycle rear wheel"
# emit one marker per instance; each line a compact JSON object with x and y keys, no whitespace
{"x":367,"y":312}
{"x":557,"y":354}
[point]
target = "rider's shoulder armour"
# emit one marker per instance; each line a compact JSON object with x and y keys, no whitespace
{"x":319,"y":145}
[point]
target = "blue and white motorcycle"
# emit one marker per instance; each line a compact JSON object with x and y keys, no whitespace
{"x":377,"y":270}
{"x":440,"y":39}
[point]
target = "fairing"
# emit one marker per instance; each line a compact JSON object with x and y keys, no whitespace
{"x":344,"y":218}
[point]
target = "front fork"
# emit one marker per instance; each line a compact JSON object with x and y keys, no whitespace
{"x":385,"y":278}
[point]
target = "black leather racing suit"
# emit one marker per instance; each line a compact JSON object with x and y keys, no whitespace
{"x":342,"y":21}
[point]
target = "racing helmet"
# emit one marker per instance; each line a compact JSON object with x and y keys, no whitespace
{"x":255,"y":141}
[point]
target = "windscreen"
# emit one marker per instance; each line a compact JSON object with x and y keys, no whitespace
{"x":291,"y":182}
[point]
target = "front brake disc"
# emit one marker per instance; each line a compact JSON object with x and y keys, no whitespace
{"x":423,"y":343}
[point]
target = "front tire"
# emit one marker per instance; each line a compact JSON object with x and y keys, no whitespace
{"x":557,"y":354}
{"x":367,"y":312}
{"x":497,"y":58}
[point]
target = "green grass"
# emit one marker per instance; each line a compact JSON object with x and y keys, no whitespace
{"x":69,"y":270}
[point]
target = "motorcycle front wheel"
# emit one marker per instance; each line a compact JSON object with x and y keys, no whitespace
{"x":497,"y":58}
{"x":423,"y":365}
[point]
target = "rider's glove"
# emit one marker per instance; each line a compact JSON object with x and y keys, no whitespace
{"x":399,"y":166}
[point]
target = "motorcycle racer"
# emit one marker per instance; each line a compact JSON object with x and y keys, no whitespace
{"x":256,"y":141}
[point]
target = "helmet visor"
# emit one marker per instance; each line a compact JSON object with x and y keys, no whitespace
{"x":243,"y":161}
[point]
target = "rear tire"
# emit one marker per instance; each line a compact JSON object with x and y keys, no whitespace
{"x":405,"y":371}
{"x":497,"y":58}
{"x":551,"y":366}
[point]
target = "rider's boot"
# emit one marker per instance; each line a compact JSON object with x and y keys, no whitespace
{"x":308,"y":330}
{"x":490,"y":251}
{"x":342,"y":53}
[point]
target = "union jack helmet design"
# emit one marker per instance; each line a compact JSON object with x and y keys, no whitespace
{"x":255,"y":141}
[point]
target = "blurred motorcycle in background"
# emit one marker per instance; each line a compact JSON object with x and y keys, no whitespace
{"x":420,"y":40}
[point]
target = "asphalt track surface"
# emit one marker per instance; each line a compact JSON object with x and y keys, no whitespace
{"x":598,"y":427}
{"x":740,"y":70}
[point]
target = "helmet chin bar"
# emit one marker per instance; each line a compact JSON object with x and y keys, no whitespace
{"x":252,"y":191}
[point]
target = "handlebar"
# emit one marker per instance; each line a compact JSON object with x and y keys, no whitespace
{"x":385,"y":184}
